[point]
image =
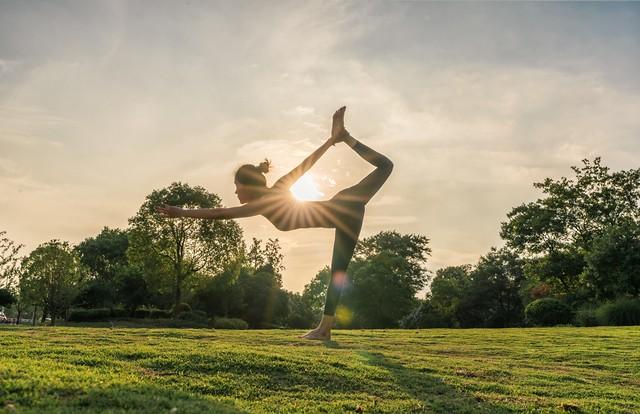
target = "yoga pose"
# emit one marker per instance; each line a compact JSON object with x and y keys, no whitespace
{"x":344,"y":211}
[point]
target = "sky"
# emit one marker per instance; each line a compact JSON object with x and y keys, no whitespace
{"x":103,"y":102}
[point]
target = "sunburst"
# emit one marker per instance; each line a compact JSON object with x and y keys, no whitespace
{"x":305,"y":189}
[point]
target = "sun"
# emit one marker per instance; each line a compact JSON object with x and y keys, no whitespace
{"x":305,"y":189}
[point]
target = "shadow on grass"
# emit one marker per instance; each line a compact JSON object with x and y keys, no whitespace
{"x":434,"y":394}
{"x":141,"y":398}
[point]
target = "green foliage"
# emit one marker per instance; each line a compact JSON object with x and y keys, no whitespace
{"x":104,"y":254}
{"x":89,"y":315}
{"x":159,"y":313}
{"x":622,"y":312}
{"x":51,"y":277}
{"x":9,"y":261}
{"x":180,"y":308}
{"x":120,"y":313}
{"x":7,"y":298}
{"x":300,"y":314}
{"x":176,"y":249}
{"x":141,"y":313}
{"x":132,"y":289}
{"x":586,"y":316}
{"x":613,"y":261}
{"x":425,"y":316}
{"x":228,"y":323}
{"x":547,"y":312}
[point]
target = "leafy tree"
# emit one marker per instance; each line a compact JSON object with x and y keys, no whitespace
{"x":493,"y":298}
{"x":9,"y":261}
{"x":51,"y":276}
{"x":300,"y":315}
{"x":557,"y":230}
{"x":314,"y":293}
{"x":132,"y":289}
{"x":265,"y":304}
{"x":380,"y":296}
{"x":181,"y":247}
{"x":613,"y":262}
{"x":574,"y":212}
{"x":6,"y":297}
{"x":269,"y":255}
{"x":448,"y":289}
{"x":104,"y":254}
{"x":412,"y":249}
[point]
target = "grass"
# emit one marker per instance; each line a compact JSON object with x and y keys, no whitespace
{"x":146,"y":370}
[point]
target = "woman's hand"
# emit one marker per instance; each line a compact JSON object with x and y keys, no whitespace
{"x":170,"y":211}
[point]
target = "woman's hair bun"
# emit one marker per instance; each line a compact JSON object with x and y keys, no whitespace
{"x":265,"y":166}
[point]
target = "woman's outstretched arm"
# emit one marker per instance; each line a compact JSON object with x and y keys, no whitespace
{"x":253,"y":208}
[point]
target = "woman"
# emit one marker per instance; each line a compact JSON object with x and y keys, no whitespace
{"x":344,"y":211}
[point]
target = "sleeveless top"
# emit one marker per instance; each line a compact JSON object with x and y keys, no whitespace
{"x":286,"y":213}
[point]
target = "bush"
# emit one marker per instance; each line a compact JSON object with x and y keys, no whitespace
{"x":180,"y":308}
{"x":119,"y":313}
{"x":159,"y":314}
{"x":141,"y":313}
{"x":586,"y":317}
{"x":229,"y":323}
{"x":547,"y":312}
{"x":622,"y":312}
{"x":88,"y":315}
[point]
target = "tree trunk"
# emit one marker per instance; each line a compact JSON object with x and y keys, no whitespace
{"x":33,"y":319}
{"x":177,"y":293}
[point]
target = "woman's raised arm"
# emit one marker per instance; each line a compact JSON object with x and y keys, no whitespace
{"x":337,"y":135}
{"x":287,"y":180}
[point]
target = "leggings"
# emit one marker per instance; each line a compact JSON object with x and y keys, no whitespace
{"x":349,"y":206}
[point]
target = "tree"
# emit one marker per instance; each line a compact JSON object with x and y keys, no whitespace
{"x":413,"y":249}
{"x":448,"y":289}
{"x":270,"y":255}
{"x":314,"y":293}
{"x":51,"y":277}
{"x":6,"y":297}
{"x":382,"y":292}
{"x":613,"y":262}
{"x":132,"y":289}
{"x":574,"y":212}
{"x":104,"y":254}
{"x":9,"y":261}
{"x":493,"y":296}
{"x":182,"y":247}
{"x":556,"y":231}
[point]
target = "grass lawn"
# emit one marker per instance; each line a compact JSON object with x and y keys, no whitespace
{"x":146,"y":370}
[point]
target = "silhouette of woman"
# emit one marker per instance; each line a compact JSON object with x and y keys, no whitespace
{"x":344,"y":211}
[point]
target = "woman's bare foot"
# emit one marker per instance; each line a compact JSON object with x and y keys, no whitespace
{"x":338,"y":133}
{"x":317,"y":334}
{"x":323,"y":331}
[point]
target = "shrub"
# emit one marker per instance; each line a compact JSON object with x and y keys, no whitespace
{"x":622,"y":312}
{"x":547,"y":312}
{"x":159,"y":314}
{"x":229,"y":323}
{"x":141,"y":313}
{"x":88,"y":315}
{"x":180,"y":308}
{"x":119,"y":313}
{"x":586,"y":317}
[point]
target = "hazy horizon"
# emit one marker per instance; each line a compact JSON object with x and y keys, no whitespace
{"x":103,"y":102}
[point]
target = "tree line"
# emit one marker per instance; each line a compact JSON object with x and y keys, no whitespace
{"x":571,"y":256}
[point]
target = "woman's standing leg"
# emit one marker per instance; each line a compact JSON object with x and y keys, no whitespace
{"x":343,"y":248}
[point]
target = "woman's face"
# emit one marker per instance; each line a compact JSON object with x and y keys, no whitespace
{"x":243,"y":193}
